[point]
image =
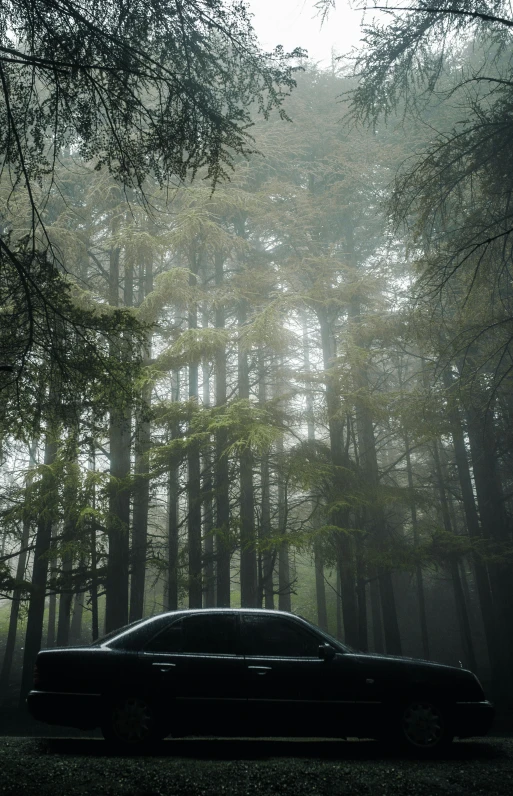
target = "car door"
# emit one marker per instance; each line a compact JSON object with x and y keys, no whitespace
{"x":289,"y":686}
{"x":195,"y":667}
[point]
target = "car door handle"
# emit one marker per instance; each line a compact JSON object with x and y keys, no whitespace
{"x":261,"y":670}
{"x":164,"y":667}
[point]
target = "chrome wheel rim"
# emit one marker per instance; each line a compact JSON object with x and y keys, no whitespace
{"x":423,"y":724}
{"x":132,"y":720}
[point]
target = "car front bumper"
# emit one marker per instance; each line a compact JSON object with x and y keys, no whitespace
{"x":66,"y":709}
{"x":473,"y":718}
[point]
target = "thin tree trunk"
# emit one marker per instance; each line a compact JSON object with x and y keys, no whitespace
{"x":320,"y":586}
{"x":208,"y":515}
{"x":194,"y":476}
{"x":221,"y":478}
{"x":118,"y":521}
{"x":361,"y":587}
{"x":171,"y":585}
{"x":339,"y":613}
{"x":265,"y":586}
{"x":459,"y":598}
{"x":10,"y":644}
{"x":141,"y":498}
{"x":75,"y":628}
{"x":284,"y":580}
{"x":345,"y":553}
{"x":248,"y":562}
{"x":68,"y":537}
{"x":320,"y":589}
{"x":377,"y":622}
{"x":418,"y":569}
{"x":95,"y":630}
{"x":36,"y":607}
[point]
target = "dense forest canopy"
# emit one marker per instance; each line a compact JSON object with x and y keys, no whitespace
{"x":259,"y":323}
{"x":143,"y":90}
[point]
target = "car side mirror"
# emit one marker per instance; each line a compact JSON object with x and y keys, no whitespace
{"x":326,"y":652}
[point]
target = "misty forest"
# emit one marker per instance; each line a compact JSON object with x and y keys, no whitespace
{"x":256,"y":326}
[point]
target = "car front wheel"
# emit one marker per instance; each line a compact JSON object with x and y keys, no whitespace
{"x":131,"y":721}
{"x":424,"y":726}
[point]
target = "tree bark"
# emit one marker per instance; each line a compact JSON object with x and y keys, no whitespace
{"x":459,"y":598}
{"x":118,"y":521}
{"x":36,"y":607}
{"x":345,"y":553}
{"x":171,"y":585}
{"x":248,"y":562}
{"x":421,"y":601}
{"x":208,"y":513}
{"x":320,"y":586}
{"x":494,"y":520}
{"x":265,"y":585}
{"x":492,"y":633}
{"x":141,"y":492}
{"x":194,"y":472}
{"x":221,"y":477}
{"x":10,"y":644}
{"x":75,"y":628}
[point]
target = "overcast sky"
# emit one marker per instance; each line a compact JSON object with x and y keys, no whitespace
{"x":293,"y":23}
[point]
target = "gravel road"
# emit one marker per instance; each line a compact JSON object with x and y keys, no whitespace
{"x":73,"y":766}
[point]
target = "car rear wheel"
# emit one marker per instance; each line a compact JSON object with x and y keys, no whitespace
{"x":424,"y":726}
{"x":131,"y":721}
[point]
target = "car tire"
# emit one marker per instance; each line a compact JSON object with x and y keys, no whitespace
{"x":423,"y":726}
{"x":131,"y":721}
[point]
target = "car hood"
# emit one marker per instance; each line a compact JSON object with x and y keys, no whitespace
{"x":392,"y":661}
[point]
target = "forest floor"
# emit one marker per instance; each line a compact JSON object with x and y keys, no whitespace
{"x":213,"y":767}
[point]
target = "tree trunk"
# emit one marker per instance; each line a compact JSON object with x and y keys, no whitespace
{"x":221,"y":478}
{"x":116,"y":607}
{"x":194,"y":476}
{"x":118,"y":521}
{"x":493,"y":641}
{"x":459,"y":598}
{"x":418,"y":569}
{"x":141,"y":497}
{"x":10,"y":644}
{"x":320,"y":589}
{"x":345,"y":553}
{"x":75,"y":629}
{"x":171,"y":585}
{"x":284,"y":580}
{"x":95,"y":630}
{"x":68,"y":537}
{"x":36,"y":609}
{"x":340,"y":625}
{"x":376,"y":519}
{"x":208,"y":514}
{"x":320,"y":586}
{"x":248,"y":563}
{"x":265,"y":586}
{"x":494,"y":520}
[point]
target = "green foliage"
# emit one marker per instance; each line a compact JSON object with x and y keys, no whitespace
{"x":191,"y":347}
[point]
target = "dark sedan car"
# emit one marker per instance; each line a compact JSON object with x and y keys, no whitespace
{"x":251,"y":672}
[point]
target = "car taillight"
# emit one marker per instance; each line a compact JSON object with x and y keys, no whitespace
{"x":37,"y":676}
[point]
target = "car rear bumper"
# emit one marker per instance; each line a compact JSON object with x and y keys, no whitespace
{"x":67,"y":709}
{"x":473,"y":718}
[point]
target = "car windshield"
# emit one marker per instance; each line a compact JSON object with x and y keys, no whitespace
{"x":331,"y":639}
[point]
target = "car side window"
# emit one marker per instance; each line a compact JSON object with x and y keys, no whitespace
{"x":207,"y":634}
{"x":168,"y":640}
{"x":210,"y":634}
{"x":274,"y":636}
